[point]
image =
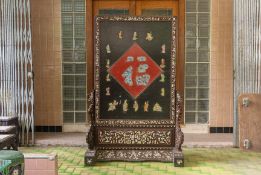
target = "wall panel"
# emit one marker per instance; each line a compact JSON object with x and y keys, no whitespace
{"x":46,"y":48}
{"x":221,"y":64}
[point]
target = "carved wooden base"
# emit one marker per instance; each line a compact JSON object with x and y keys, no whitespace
{"x":178,"y":159}
{"x":165,"y":155}
{"x":90,"y":157}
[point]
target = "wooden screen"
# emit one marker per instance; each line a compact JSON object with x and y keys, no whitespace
{"x":135,"y":109}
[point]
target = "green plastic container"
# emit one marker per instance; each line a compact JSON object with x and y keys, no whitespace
{"x":11,"y":162}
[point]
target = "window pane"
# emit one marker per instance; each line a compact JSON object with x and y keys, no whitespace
{"x":203,"y":117}
{"x":80,"y":117}
{"x":197,"y":58}
{"x":203,"y":43}
{"x":191,"y":19}
{"x":79,"y":5}
{"x":191,"y":30}
{"x":190,"y":117}
{"x":190,"y":105}
{"x":80,"y":105}
{"x":203,"y":69}
{"x":68,"y":117}
{"x":156,"y":12}
{"x":191,"y":81}
{"x":68,"y":80}
{"x":79,"y":43}
{"x":203,"y":31}
{"x":68,"y":68}
{"x":67,"y":6}
{"x":203,"y":56}
{"x":191,"y":69}
{"x":79,"y":56}
{"x":203,"y":105}
{"x":113,"y":12}
{"x":203,"y":18}
{"x":203,"y":93}
{"x":203,"y":5}
{"x":191,"y":56}
{"x":191,"y":43}
{"x":191,"y":6}
{"x":80,"y":80}
{"x":67,"y":56}
{"x":80,"y":93}
{"x":68,"y":105}
{"x":67,"y":31}
{"x":68,"y":93}
{"x":74,"y":60}
{"x":203,"y":81}
{"x":190,"y":93}
{"x":67,"y":43}
{"x":80,"y":68}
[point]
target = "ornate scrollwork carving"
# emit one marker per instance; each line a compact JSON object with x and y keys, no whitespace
{"x":134,"y":155}
{"x":138,"y":137}
{"x":90,"y":139}
{"x":179,"y":139}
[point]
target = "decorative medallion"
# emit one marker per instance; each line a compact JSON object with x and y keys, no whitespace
{"x":135,"y":70}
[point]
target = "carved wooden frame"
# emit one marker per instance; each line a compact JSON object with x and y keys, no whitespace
{"x":171,"y":120}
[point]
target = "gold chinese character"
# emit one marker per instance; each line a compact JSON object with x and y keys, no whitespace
{"x":120,"y":35}
{"x":149,"y":36}
{"x":146,"y":106}
{"x":135,"y":36}
{"x":108,"y":49}
{"x":162,"y":65}
{"x":108,"y":78}
{"x":125,"y":106}
{"x":108,"y":63}
{"x":135,"y":106}
{"x":162,"y":78}
{"x":163,"y":48}
{"x":162,"y":93}
{"x":157,"y":108}
{"x":108,"y":93}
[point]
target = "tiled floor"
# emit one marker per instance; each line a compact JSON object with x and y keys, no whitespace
{"x":206,"y":161}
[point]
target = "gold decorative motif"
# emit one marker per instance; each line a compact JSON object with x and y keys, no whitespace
{"x":162,"y":65}
{"x":108,"y":93}
{"x":108,"y":63}
{"x":162,"y":93}
{"x":108,"y":49}
{"x":140,"y":137}
{"x":135,"y":106}
{"x":149,"y":36}
{"x":146,"y":106}
{"x":120,"y":35}
{"x":108,"y":78}
{"x":135,"y":36}
{"x":113,"y":105}
{"x":163,"y":48}
{"x":125,"y":106}
{"x":162,"y":78}
{"x":157,"y":108}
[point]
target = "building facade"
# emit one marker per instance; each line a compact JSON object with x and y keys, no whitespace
{"x":62,"y":47}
